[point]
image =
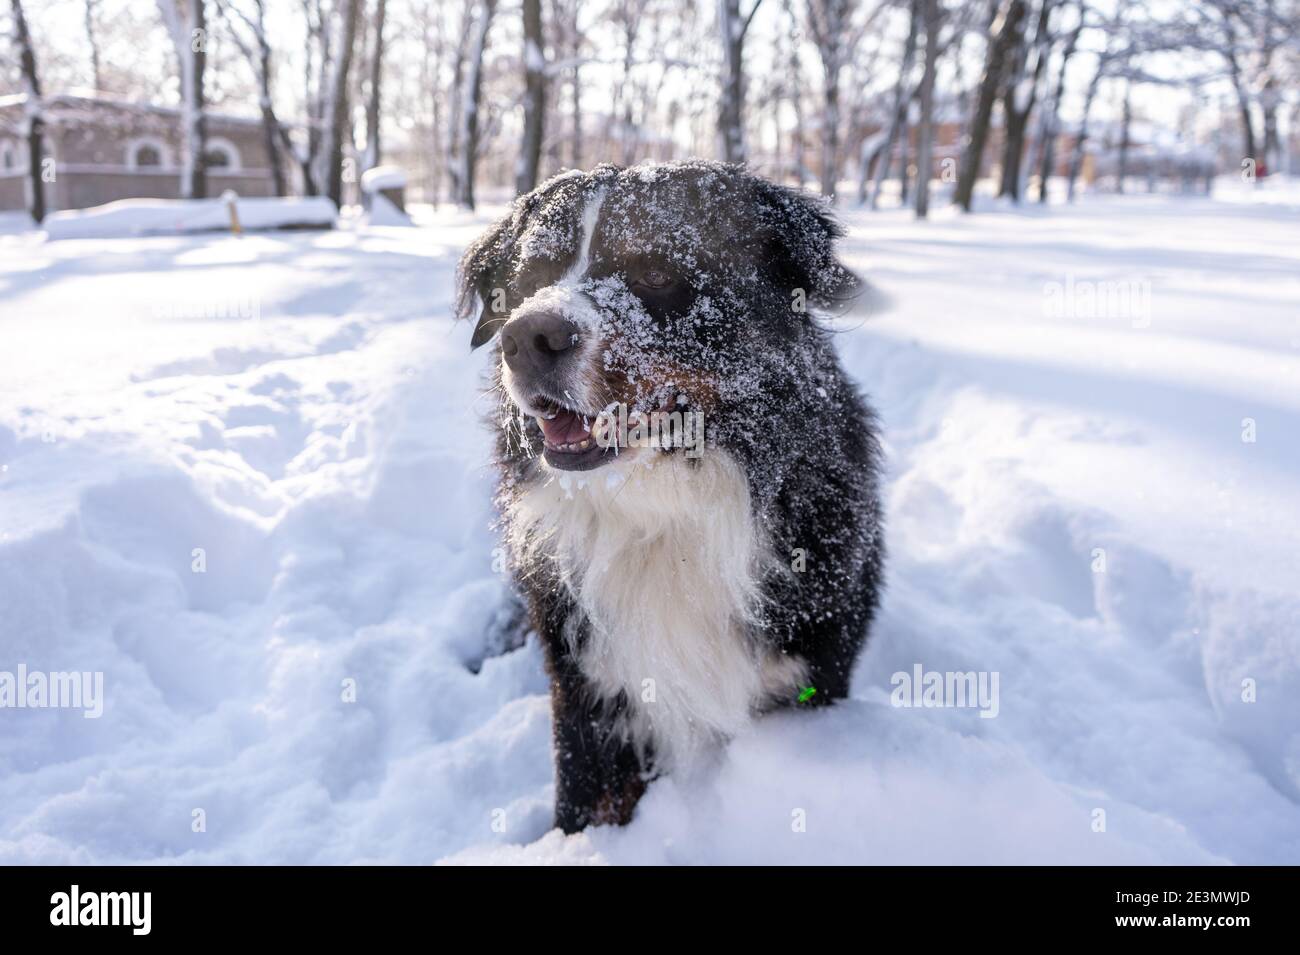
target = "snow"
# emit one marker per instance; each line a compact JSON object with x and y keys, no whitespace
{"x":383,"y":177}
{"x":299,"y":407}
{"x":141,"y":217}
{"x":11,"y":222}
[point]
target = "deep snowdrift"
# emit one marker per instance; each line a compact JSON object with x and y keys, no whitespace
{"x":295,"y":416}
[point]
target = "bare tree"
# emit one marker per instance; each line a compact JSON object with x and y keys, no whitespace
{"x":933,"y":17}
{"x":828,"y":23}
{"x":34,"y":117}
{"x":1229,"y":15}
{"x":953,"y":24}
{"x":898,"y":112}
{"x":90,"y":17}
{"x":1115,"y":50}
{"x":1050,"y":126}
{"x":1019,"y":97}
{"x":336,"y":109}
{"x":794,"y":87}
{"x":1081,"y":138}
{"x":1125,"y":138}
{"x":374,"y":98}
{"x":530,"y":152}
{"x":627,"y":17}
{"x":187,"y":25}
{"x":471,"y":93}
{"x":566,"y":18}
{"x":733,"y":26}
{"x":1277,"y":23}
{"x":1006,"y":37}
{"x":1250,"y":35}
{"x":315,"y":63}
{"x":258,"y":54}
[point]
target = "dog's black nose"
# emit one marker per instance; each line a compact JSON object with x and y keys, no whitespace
{"x":536,"y":343}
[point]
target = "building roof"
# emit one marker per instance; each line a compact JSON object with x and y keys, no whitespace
{"x":78,"y":100}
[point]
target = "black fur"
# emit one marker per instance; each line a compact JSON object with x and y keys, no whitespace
{"x":747,"y":254}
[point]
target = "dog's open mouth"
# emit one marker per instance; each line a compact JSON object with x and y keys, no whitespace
{"x":566,"y":436}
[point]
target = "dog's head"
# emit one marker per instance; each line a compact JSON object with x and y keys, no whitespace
{"x":687,"y":287}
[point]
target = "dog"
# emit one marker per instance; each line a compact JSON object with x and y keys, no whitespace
{"x":681,"y":579}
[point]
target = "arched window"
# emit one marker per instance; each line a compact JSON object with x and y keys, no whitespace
{"x":147,"y":153}
{"x":221,"y":155}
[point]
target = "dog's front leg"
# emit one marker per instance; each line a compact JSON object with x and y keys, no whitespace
{"x":598,"y":777}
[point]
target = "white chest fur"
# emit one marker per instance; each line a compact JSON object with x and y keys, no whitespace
{"x":663,"y":556}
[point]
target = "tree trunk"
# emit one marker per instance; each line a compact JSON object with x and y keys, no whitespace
{"x":898,"y":113}
{"x":827,"y":21}
{"x":274,"y":136}
{"x":312,"y":80}
{"x":374,"y":100}
{"x":431,"y":56}
{"x":1018,"y":102}
{"x":92,"y":37}
{"x":1269,"y":99}
{"x":456,"y":101}
{"x":196,"y":120}
{"x":1124,"y":139}
{"x":575,"y":90}
{"x":575,"y":147}
{"x":731,"y":113}
{"x":831,"y":137}
{"x":35,"y":118}
{"x":904,"y":158}
{"x":473,"y":91}
{"x":1248,"y":141}
{"x":925,"y":148}
{"x":1051,"y":125}
{"x":1006,"y":37}
{"x":337,"y":110}
{"x":530,"y":154}
{"x":1076,"y":154}
{"x":794,"y":82}
{"x":189,"y":35}
{"x":272,"y":131}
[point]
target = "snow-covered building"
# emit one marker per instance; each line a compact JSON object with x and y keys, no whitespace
{"x":106,"y":149}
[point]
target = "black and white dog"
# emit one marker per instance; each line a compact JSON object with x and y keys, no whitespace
{"x":686,"y":581}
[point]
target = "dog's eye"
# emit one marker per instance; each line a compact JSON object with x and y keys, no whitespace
{"x":654,"y":278}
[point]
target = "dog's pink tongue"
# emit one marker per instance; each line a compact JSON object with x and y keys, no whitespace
{"x":565,"y":428}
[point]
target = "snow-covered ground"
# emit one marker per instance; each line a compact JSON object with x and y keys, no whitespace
{"x":246,"y":479}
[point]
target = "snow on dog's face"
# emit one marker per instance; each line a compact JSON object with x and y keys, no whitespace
{"x":672,"y":288}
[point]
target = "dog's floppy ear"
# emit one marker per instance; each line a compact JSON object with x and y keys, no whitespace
{"x":481,"y":270}
{"x":484,"y":269}
{"x":801,"y":230}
